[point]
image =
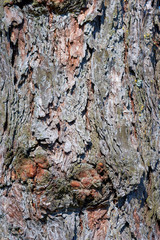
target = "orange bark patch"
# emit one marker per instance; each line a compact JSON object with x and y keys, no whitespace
{"x":28,"y":170}
{"x":137,"y":223}
{"x":70,"y":47}
{"x":100,"y":164}
{"x":88,"y":185}
{"x":42,"y":162}
{"x":95,"y":194}
{"x":83,"y":174}
{"x":86,"y":182}
{"x":75,"y":184}
{"x":97,"y":221}
{"x":100,"y":167}
{"x":24,"y":169}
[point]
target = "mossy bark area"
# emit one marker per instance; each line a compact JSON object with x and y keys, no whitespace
{"x":79,"y":125}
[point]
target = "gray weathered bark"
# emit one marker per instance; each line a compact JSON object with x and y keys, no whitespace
{"x":79,"y":125}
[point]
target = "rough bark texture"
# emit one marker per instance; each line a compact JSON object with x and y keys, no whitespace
{"x":79,"y":119}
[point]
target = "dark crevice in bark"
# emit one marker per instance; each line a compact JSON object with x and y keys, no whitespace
{"x":31,"y":149}
{"x":15,"y":53}
{"x":85,"y":110}
{"x":98,"y":21}
{"x":46,"y":146}
{"x":75,"y":228}
{"x":153,"y":3}
{"x":149,"y":173}
{"x":20,"y":3}
{"x":131,"y":71}
{"x":124,"y":227}
{"x":44,"y":119}
{"x":133,"y":236}
{"x":14,"y":46}
{"x":5,"y":126}
{"x":158,"y":223}
{"x":121,"y":201}
{"x":86,"y":59}
{"x":23,"y":79}
{"x":58,"y":126}
{"x":73,"y":89}
{"x":15,"y":80}
{"x":1,"y":35}
{"x":138,"y":193}
{"x":68,"y":211}
{"x":88,"y":146}
{"x":81,"y":156}
{"x":71,"y":123}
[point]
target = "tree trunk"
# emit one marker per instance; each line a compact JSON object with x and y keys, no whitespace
{"x":79,"y":125}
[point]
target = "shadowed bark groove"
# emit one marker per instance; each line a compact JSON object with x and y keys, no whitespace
{"x":79,"y":125}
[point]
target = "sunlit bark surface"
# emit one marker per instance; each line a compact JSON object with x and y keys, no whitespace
{"x":79,"y":120}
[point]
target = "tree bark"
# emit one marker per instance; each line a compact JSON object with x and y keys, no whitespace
{"x":79,"y":125}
